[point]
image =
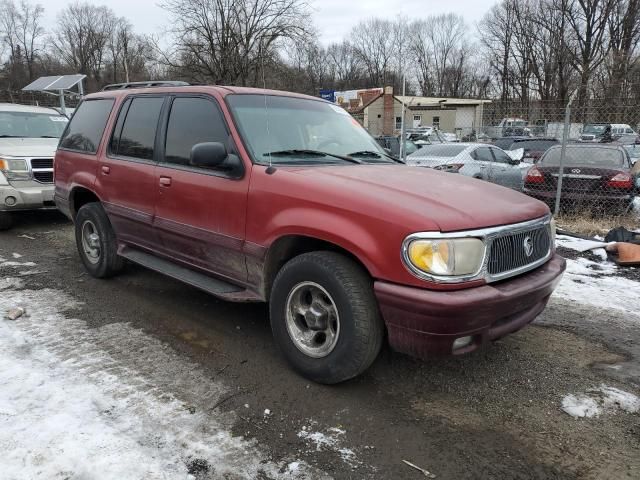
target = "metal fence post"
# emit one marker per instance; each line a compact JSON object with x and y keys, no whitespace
{"x":563,"y":150}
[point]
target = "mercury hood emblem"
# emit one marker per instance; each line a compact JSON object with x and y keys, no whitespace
{"x":528,"y":246}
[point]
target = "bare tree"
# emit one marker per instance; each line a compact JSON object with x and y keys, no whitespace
{"x":375,"y":42}
{"x":227,"y":40}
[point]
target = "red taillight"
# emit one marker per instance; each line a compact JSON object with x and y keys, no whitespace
{"x":534,"y":176}
{"x":621,"y":180}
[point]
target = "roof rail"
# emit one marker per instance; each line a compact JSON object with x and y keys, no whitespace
{"x":149,"y":84}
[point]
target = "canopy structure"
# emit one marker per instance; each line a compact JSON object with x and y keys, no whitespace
{"x":60,"y":84}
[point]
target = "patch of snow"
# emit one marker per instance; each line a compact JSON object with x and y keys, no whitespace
{"x":578,"y":244}
{"x":109,"y":403}
{"x":16,"y":255}
{"x":7,"y":263}
{"x":595,"y":284}
{"x":580,"y":406}
{"x":329,"y":441}
{"x":613,"y":397}
{"x":597,"y":400}
{"x":636,"y":205}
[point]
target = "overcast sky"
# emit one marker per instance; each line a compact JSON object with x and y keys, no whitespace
{"x":333,"y":18}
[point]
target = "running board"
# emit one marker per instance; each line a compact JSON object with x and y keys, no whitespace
{"x":196,"y":279}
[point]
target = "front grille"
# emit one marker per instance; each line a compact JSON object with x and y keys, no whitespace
{"x":43,"y":177}
{"x":42,"y":163}
{"x":508,"y":252}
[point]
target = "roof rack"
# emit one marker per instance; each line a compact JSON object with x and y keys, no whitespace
{"x":149,"y":84}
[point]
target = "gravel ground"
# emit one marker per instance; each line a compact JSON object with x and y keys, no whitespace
{"x":493,"y":414}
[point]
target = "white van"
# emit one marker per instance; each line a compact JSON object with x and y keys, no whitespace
{"x":28,"y":140}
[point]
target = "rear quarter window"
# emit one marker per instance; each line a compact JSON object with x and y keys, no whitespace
{"x":87,"y":125}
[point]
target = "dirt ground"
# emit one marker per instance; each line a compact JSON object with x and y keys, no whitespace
{"x":494,"y":414}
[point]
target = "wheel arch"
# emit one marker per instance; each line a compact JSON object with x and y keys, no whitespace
{"x":80,"y":196}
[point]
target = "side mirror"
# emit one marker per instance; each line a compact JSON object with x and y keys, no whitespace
{"x":208,"y":155}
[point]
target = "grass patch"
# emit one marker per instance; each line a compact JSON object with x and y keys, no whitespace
{"x":587,"y":224}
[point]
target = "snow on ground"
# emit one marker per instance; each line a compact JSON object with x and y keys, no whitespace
{"x":109,"y":402}
{"x":331,"y":440}
{"x":579,"y":244}
{"x":598,"y":284}
{"x":598,"y":400}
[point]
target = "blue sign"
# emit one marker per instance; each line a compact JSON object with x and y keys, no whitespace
{"x":329,"y":95}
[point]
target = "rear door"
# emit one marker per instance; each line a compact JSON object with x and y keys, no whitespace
{"x":127,"y":174}
{"x":200,"y":212}
{"x":504,"y":172}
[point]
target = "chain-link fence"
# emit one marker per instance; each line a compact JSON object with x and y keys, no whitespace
{"x":583,"y":161}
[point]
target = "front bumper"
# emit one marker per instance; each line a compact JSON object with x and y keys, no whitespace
{"x":30,"y":196}
{"x":426,"y":322}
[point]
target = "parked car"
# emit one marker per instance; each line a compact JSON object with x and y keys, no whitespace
{"x":477,"y":160}
{"x":28,"y":140}
{"x":450,"y":137}
{"x":206,"y":185}
{"x":392,"y":144}
{"x":595,"y":132}
{"x":533,"y":148}
{"x":595,"y":176}
{"x":509,"y":127}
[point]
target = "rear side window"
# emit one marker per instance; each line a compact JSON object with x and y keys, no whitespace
{"x":138,"y":134}
{"x":192,"y":120}
{"x":87,"y":126}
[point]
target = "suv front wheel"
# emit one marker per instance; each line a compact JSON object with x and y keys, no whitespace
{"x":325,"y":317}
{"x":96,"y":242}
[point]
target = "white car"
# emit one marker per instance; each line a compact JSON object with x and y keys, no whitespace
{"x":28,"y":140}
{"x":477,"y":160}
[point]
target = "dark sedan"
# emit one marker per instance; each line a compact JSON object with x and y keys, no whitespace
{"x":598,"y":177}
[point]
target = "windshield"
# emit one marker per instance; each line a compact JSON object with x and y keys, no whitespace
{"x":270,"y":123}
{"x":440,"y":150}
{"x":597,"y":157}
{"x":31,"y":125}
{"x":595,"y":129}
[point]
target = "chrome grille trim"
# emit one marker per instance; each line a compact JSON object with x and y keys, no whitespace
{"x":490,"y":237}
{"x":41,"y":169}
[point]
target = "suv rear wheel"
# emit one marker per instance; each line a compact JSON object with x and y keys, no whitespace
{"x":96,"y":242}
{"x":6,"y":221}
{"x":325,"y":318}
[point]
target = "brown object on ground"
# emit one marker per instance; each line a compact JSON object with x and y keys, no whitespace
{"x":628,"y":254}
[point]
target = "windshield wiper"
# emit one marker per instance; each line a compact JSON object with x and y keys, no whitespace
{"x":48,"y":136}
{"x":11,"y":136}
{"x":373,"y":154}
{"x":311,"y":153}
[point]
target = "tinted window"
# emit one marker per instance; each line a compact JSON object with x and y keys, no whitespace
{"x":87,"y":126}
{"x":483,"y":154}
{"x":440,"y":150}
{"x":139,"y":129}
{"x":535,"y":145}
{"x":500,"y":156}
{"x":192,"y":121}
{"x":503,"y":143}
{"x":588,"y":156}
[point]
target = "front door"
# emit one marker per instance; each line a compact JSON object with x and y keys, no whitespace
{"x":127,"y":174}
{"x":200,"y":213}
{"x":504,"y":172}
{"x":482,"y":163}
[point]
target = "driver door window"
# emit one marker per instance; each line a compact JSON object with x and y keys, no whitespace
{"x":500,"y":156}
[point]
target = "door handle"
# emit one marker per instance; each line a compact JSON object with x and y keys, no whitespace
{"x":106,"y":170}
{"x":483,"y":166}
{"x":165,"y":181}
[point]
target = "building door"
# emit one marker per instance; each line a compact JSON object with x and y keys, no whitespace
{"x":417,"y":121}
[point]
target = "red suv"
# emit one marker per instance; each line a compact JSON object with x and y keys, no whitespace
{"x":257,"y":195}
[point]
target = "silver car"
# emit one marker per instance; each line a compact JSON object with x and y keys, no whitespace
{"x":477,"y":160}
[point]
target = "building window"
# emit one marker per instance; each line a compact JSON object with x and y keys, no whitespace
{"x":436,"y":123}
{"x":398,"y":123}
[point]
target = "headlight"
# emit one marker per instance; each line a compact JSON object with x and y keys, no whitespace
{"x":445,"y":257}
{"x":15,"y":168}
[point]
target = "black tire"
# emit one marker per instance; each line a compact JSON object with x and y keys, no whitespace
{"x":361,"y":329}
{"x":107,"y":263}
{"x":6,"y":221}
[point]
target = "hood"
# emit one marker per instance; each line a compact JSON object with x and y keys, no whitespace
{"x":28,"y":147}
{"x":422,"y":197}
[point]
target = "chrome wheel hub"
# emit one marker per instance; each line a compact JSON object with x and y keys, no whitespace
{"x":91,"y":242}
{"x":312,"y":319}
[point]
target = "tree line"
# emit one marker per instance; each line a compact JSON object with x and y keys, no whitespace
{"x":521,"y":50}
